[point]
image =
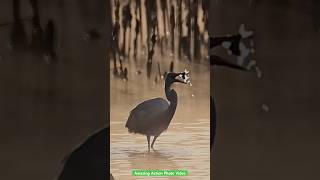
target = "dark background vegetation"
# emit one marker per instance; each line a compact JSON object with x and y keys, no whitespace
{"x":283,"y":142}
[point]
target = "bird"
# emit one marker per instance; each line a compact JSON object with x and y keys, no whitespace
{"x":90,"y":160}
{"x":153,"y":116}
{"x":213,"y":121}
{"x":219,"y":61}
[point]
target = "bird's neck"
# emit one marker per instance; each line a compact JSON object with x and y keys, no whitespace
{"x":167,"y":89}
{"x":172,"y":98}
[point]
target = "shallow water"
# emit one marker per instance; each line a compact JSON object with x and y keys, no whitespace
{"x":186,"y":143}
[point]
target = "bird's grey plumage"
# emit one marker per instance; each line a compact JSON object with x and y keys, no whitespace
{"x":89,"y":160}
{"x":147,"y":114}
{"x":153,"y":116}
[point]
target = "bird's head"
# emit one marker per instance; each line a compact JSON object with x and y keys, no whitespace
{"x":182,"y":77}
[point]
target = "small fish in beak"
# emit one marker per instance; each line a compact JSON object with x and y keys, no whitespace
{"x":185,"y":77}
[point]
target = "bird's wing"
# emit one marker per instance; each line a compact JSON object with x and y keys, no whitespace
{"x":153,"y":106}
{"x":146,"y":112}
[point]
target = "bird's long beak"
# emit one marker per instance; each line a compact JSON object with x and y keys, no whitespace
{"x":218,"y":61}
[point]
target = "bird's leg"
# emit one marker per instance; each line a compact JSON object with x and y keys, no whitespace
{"x":154,"y":140}
{"x":148,"y":139}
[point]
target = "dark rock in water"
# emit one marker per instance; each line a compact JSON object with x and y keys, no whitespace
{"x":89,"y":161}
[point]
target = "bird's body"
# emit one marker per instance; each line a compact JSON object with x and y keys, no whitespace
{"x":156,"y":111}
{"x":89,"y":160}
{"x":235,"y":45}
{"x":152,"y":117}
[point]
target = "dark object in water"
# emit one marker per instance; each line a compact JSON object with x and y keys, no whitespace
{"x":89,"y":161}
{"x":153,"y":116}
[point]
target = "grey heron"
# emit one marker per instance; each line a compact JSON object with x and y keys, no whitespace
{"x":90,"y":160}
{"x":153,"y":116}
{"x":233,"y":44}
